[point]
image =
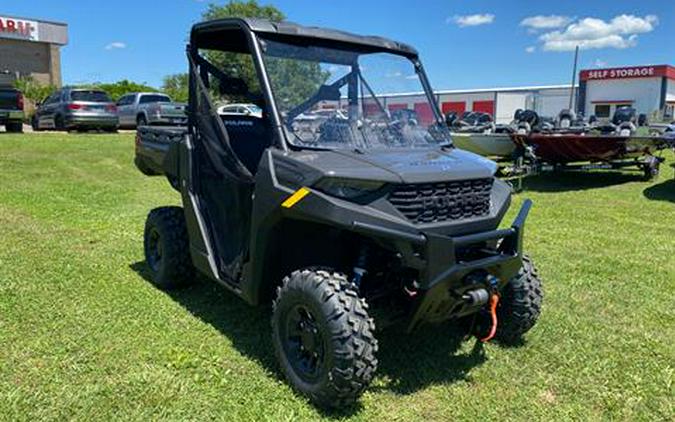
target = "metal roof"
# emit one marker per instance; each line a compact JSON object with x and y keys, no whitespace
{"x":484,"y":90}
{"x":290,"y":29}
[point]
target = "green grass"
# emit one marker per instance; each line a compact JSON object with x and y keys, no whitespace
{"x":84,"y":336}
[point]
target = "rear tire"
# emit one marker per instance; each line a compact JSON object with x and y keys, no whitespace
{"x":141,"y":120}
{"x":14,"y":127}
{"x":520,"y":304}
{"x":167,"y":248}
{"x":323,"y":337}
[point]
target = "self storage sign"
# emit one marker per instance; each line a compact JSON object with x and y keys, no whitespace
{"x":624,"y":73}
{"x":18,"y":28}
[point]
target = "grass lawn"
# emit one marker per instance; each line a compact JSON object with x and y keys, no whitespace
{"x":83,"y":335}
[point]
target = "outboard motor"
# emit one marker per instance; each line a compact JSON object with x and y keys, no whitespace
{"x":624,"y":114}
{"x":450,"y":118}
{"x":566,"y":118}
{"x":624,"y":119}
{"x":528,"y":120}
{"x":643,"y":120}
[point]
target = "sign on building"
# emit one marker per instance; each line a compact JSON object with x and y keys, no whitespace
{"x":21,"y":29}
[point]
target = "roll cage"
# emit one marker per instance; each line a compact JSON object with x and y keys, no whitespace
{"x":238,"y":35}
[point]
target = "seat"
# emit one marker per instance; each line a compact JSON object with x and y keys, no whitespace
{"x":249,"y":137}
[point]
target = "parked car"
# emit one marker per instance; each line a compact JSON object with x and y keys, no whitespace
{"x":150,"y":108}
{"x":11,"y":109}
{"x":240,"y":109}
{"x":76,"y":108}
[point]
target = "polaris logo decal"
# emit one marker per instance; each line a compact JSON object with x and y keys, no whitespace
{"x":238,"y":123}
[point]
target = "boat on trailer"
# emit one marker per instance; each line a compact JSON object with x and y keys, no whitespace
{"x":616,"y":145}
{"x":486,"y":144}
{"x":477,"y":133}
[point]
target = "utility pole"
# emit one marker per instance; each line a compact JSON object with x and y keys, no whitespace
{"x":574,"y":78}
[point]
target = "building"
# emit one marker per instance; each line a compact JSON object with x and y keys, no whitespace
{"x":648,"y":89}
{"x":31,"y":47}
{"x":501,"y":103}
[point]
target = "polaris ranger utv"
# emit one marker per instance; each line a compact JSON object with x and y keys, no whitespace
{"x":356,"y":216}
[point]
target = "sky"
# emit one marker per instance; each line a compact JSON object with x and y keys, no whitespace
{"x":463,"y":43}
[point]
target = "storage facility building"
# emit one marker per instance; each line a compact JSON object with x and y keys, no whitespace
{"x":649,"y":89}
{"x":501,"y":103}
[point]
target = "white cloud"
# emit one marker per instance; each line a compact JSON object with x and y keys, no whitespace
{"x":545,"y":22}
{"x":116,"y":45}
{"x":472,"y":20}
{"x":589,"y":33}
{"x":600,"y":63}
{"x":530,"y":49}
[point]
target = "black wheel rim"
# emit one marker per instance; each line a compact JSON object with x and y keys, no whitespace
{"x":303,"y":343}
{"x":154,"y":250}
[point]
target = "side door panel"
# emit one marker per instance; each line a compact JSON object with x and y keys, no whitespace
{"x":218,"y":198}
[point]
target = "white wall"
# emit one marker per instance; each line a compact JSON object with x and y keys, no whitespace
{"x":670,"y":93}
{"x":644,"y":92}
{"x":549,"y":103}
{"x":508,"y":103}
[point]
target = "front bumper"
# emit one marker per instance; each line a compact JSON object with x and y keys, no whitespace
{"x":446,"y":269}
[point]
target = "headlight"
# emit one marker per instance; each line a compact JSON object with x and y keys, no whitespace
{"x":347,"y":188}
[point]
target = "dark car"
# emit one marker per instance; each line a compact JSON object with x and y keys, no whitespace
{"x":11,"y":109}
{"x":76,"y":108}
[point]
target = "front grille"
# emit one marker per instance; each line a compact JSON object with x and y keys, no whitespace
{"x":443,"y":201}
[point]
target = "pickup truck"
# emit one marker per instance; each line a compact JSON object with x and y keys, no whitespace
{"x":149,"y":108}
{"x":11,"y":109}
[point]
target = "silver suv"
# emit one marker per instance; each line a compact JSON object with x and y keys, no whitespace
{"x":76,"y":108}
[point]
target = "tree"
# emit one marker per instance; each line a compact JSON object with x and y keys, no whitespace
{"x":120,"y":88}
{"x":33,"y":90}
{"x":177,"y":86}
{"x":293,"y":81}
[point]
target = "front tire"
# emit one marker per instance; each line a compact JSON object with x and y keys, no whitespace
{"x":59,"y":123}
{"x":167,"y":248}
{"x":323,"y":337}
{"x":520,"y":304}
{"x":35,"y":123}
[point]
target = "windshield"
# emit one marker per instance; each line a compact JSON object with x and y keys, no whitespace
{"x":334,"y":98}
{"x":91,"y":96}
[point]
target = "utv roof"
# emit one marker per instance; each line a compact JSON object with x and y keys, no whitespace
{"x":289,"y":30}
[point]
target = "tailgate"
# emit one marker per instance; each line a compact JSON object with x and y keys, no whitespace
{"x":9,"y":99}
{"x":152,"y":149}
{"x":173,"y":109}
